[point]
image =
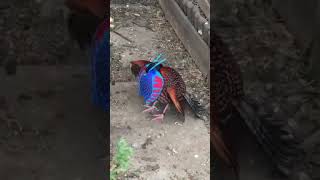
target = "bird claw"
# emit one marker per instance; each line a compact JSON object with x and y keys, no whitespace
{"x":149,"y":108}
{"x":158,"y":117}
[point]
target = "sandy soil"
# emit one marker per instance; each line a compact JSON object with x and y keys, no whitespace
{"x":58,"y":134}
{"x":170,"y":150}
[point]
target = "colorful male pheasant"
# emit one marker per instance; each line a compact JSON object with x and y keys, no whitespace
{"x":88,"y":24}
{"x":161,"y":85}
{"x":229,"y":105}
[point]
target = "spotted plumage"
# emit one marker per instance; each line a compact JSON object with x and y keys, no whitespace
{"x":173,"y":90}
{"x":227,"y":84}
{"x":229,"y":104}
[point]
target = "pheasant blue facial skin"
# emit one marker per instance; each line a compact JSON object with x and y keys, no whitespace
{"x":101,"y":66}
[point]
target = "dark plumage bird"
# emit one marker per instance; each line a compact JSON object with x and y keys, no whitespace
{"x":229,"y":104}
{"x":161,"y":85}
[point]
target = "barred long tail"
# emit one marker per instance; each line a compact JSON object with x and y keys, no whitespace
{"x":222,"y":150}
{"x":196,"y":107}
{"x":276,"y":138}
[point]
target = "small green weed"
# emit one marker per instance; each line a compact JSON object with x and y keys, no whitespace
{"x":121,"y":159}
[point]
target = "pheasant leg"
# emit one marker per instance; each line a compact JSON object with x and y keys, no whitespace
{"x":159,"y":117}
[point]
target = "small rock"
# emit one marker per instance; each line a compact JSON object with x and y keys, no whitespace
{"x":146,"y":143}
{"x":178,"y":124}
{"x":174,"y":151}
{"x":196,"y":156}
{"x":135,"y":145}
{"x":136,"y":14}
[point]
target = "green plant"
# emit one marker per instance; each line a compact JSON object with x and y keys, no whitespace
{"x":121,"y":159}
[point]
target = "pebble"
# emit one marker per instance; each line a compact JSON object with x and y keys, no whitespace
{"x":135,"y":145}
{"x":196,"y":156}
{"x":178,"y":124}
{"x":174,"y":151}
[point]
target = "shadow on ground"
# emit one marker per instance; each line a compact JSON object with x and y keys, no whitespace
{"x":49,"y":129}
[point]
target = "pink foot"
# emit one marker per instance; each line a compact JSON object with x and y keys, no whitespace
{"x":150,"y":108}
{"x":158,"y":117}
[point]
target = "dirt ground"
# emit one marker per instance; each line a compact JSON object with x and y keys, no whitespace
{"x":170,"y":150}
{"x":48,"y":128}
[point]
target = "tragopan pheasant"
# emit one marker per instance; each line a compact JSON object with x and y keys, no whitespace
{"x":230,"y":104}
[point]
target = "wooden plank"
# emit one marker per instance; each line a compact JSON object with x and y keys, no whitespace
{"x":200,"y":23}
{"x":190,"y":38}
{"x":205,"y":7}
